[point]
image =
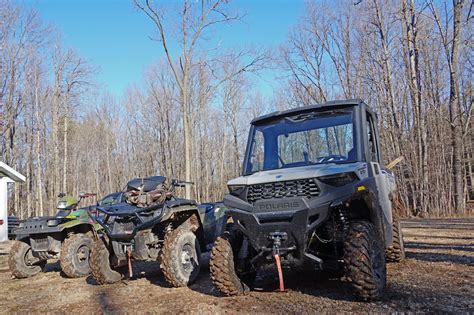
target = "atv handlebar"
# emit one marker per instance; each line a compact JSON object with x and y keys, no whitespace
{"x":86,"y":195}
{"x":180,"y":183}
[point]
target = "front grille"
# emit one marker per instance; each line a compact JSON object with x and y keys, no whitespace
{"x":123,"y":226}
{"x":294,"y":188}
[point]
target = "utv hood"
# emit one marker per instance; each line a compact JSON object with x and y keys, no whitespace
{"x":302,"y":172}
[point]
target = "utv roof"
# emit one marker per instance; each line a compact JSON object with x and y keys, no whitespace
{"x":299,"y":110}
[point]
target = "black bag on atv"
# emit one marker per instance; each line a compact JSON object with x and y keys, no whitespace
{"x":144,"y":192}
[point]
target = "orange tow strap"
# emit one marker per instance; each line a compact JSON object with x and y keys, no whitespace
{"x":280,"y":273}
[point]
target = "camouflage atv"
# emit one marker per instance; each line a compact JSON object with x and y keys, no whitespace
{"x":68,"y":236}
{"x":153,"y":224}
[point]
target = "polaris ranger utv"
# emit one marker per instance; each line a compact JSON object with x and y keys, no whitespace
{"x":313,"y":191}
{"x":67,"y":236}
{"x":153,"y":224}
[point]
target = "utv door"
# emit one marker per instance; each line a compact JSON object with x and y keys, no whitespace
{"x":384,"y":179}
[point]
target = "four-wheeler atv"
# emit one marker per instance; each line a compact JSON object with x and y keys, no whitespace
{"x":153,"y":225}
{"x":68,"y":236}
{"x":313,"y":191}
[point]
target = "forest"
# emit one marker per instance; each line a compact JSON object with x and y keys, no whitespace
{"x":188,"y":118}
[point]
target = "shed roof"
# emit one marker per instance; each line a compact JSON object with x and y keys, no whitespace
{"x":7,"y":171}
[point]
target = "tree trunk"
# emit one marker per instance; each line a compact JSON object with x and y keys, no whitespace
{"x":455,"y":110}
{"x":187,"y":137}
{"x":65,"y":147}
{"x":39,"y":172}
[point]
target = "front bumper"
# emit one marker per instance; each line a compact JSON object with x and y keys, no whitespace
{"x":44,"y":239}
{"x":291,"y":219}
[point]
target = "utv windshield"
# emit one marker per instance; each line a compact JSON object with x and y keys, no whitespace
{"x":302,"y":140}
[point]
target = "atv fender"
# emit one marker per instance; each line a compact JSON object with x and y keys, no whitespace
{"x":186,"y":217}
{"x":84,"y":228}
{"x":171,"y":210}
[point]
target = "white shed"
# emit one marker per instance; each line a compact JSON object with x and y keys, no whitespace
{"x":7,"y":175}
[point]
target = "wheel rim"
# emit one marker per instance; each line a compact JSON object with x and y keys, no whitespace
{"x":187,"y":258}
{"x":82,"y":255}
{"x":27,"y":258}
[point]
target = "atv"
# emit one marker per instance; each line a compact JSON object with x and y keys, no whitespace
{"x":313,"y":192}
{"x":153,"y":224}
{"x":67,"y":236}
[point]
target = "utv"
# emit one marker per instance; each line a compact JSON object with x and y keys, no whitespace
{"x":153,"y":224}
{"x":67,"y":236}
{"x":313,"y":191}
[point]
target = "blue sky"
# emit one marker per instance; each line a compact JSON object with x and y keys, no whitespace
{"x":113,"y":35}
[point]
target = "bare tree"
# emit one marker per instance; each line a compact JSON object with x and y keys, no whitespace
{"x":452,"y":46}
{"x":196,"y":18}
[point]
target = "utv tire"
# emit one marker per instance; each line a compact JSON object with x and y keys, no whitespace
{"x":396,"y":252}
{"x":222,"y":268}
{"x":75,"y":255}
{"x":100,"y":265}
{"x":18,"y":263}
{"x":180,"y":258}
{"x":364,"y":259}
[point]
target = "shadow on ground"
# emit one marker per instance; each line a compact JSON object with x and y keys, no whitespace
{"x":441,"y":257}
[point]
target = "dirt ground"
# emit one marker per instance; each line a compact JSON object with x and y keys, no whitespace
{"x":437,"y":276}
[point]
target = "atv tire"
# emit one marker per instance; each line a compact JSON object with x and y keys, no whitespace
{"x":222,"y":268}
{"x":75,"y":255}
{"x":396,"y":252}
{"x":180,"y":257}
{"x":18,"y":262}
{"x":100,"y":265}
{"x":364,"y":260}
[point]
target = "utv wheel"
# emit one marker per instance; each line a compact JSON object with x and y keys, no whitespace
{"x":396,"y":252}
{"x":364,"y":259}
{"x":100,"y":265}
{"x":180,"y":258}
{"x":22,"y":263}
{"x":75,"y":255}
{"x":222,"y":268}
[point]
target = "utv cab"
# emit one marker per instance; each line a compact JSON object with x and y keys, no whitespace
{"x":313,"y":190}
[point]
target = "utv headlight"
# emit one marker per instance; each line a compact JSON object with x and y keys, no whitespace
{"x":339,"y":180}
{"x":236,"y":190}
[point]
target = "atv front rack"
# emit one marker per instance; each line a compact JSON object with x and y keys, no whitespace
{"x":146,"y":217}
{"x":127,"y":210}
